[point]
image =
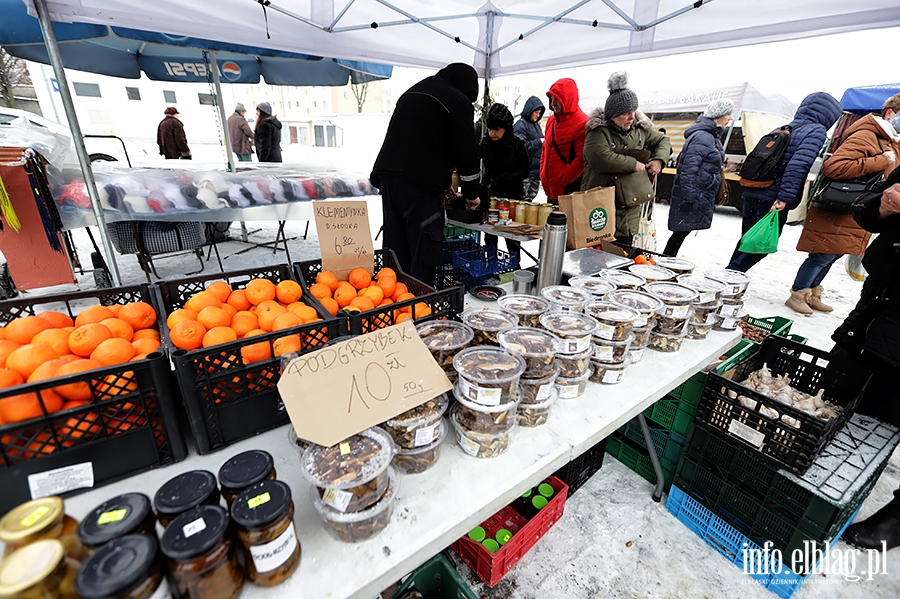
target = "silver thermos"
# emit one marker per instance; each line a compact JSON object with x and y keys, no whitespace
{"x":553,"y":246}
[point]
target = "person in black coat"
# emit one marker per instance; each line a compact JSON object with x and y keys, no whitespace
{"x":505,"y":164}
{"x":528,"y":129}
{"x":430,"y":135}
{"x":699,"y":174}
{"x":267,"y":134}
{"x":870,"y":335}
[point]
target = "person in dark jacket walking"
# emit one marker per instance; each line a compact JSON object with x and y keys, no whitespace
{"x":241,"y":134}
{"x":870,"y":335}
{"x":562,"y":157}
{"x":505,"y":164}
{"x":699,"y":174}
{"x":267,"y":134}
{"x":528,"y":129}
{"x":817,"y":113}
{"x":170,"y":137}
{"x":430,"y":135}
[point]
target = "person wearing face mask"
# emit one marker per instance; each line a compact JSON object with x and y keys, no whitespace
{"x":622,"y":149}
{"x":562,"y":157}
{"x":870,"y":145}
{"x":699,"y":174}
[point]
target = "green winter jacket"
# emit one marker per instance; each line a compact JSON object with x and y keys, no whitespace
{"x":609,"y":160}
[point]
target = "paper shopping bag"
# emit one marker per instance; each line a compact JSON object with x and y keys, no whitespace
{"x":591,"y":216}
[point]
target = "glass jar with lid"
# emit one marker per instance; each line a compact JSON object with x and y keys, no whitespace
{"x":531,"y":214}
{"x":39,"y":570}
{"x":127,"y":514}
{"x":183,"y":492}
{"x":245,"y":470}
{"x":125,"y":568}
{"x":200,"y":556}
{"x":38,"y":519}
{"x":544,"y":211}
{"x":264,"y":515}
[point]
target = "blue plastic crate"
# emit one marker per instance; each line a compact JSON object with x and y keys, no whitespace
{"x":487,"y":260}
{"x":454,"y":245}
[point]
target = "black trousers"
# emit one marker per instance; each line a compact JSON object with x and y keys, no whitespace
{"x":413,"y":226}
{"x":674,"y":243}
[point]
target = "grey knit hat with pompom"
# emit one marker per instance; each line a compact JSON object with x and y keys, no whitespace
{"x":718,"y":108}
{"x":621,"y":99}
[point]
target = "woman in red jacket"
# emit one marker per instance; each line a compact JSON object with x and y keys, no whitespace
{"x":562,"y":160}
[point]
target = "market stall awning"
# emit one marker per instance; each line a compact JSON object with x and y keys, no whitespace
{"x":745,"y":98}
{"x":870,"y":98}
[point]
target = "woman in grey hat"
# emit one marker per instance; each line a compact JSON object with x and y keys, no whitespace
{"x":267,"y":134}
{"x":699,"y":174}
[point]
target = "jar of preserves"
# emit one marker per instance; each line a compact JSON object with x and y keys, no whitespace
{"x":185,"y":491}
{"x":40,"y":570}
{"x":125,"y":568}
{"x":503,"y":207}
{"x":128,"y":514}
{"x":264,"y":515}
{"x":245,"y":470}
{"x":531,"y":214}
{"x":38,"y":519}
{"x":520,"y":212}
{"x":200,"y":555}
{"x":513,"y":209}
{"x":544,"y":211}
{"x":493,"y":216}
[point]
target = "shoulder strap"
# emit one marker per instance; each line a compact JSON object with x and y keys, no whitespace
{"x":559,"y":152}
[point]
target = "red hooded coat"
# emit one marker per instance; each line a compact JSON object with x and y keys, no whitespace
{"x":562,"y":160}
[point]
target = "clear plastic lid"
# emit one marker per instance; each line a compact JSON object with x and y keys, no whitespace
{"x":655,"y":334}
{"x":444,"y":334}
{"x":701,"y":284}
{"x":352,"y":462}
{"x":674,"y":264}
{"x":487,"y":409}
{"x":608,"y":343}
{"x":575,"y":379}
{"x":524,"y":304}
{"x":593,"y":285}
{"x":541,"y":381}
{"x":636,"y":300}
{"x":331,"y":514}
{"x":609,"y":312}
{"x":736,"y":279}
{"x":565,"y":295}
{"x":489,"y":319}
{"x":672,"y":293}
{"x":622,"y":278}
{"x":568,"y":324}
{"x":651,"y":272}
{"x":597,"y":364}
{"x":422,"y":414}
{"x":529,"y":342}
{"x":481,"y":438}
{"x":488,"y":365}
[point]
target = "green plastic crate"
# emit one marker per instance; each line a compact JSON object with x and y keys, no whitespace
{"x":454,"y":231}
{"x":674,"y":414}
{"x":436,"y":579}
{"x":637,"y":459}
{"x":668,"y":444}
{"x":773,"y":325}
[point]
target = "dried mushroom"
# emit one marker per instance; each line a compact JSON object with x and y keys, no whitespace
{"x":736,"y":281}
{"x":614,"y":322}
{"x":665,"y":343}
{"x":672,"y":326}
{"x":709,"y":291}
{"x":352,"y":527}
{"x":651,"y":272}
{"x":570,"y":388}
{"x":641,"y":302}
{"x":575,"y":364}
{"x":533,"y":391}
{"x":488,"y":376}
{"x":537,"y":347}
{"x":296,"y":441}
{"x":573,"y":329}
{"x":676,"y":299}
{"x":609,"y":374}
{"x":596,"y":286}
{"x":444,"y":339}
{"x":527,"y":307}
{"x":641,"y":336}
{"x":612,"y":352}
{"x":726,"y":323}
{"x":563,"y":298}
{"x":486,"y":324}
{"x":419,"y":426}
{"x":477,"y":421}
{"x":478,"y":444}
{"x":415,"y":461}
{"x":698,"y":331}
{"x":622,"y":278}
{"x":531,"y":416}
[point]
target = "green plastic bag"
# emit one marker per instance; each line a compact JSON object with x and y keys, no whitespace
{"x":762,"y":238}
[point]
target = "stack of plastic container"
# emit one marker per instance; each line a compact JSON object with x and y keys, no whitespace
{"x":647,"y":308}
{"x":487,"y":323}
{"x":596,"y":286}
{"x":527,"y":307}
{"x":563,"y":298}
{"x":732,"y":308}
{"x":575,"y":331}
{"x":706,"y":307}
{"x":674,"y":316}
{"x":613,"y":341}
{"x":444,"y":339}
{"x":537,"y":391}
{"x":418,"y":434}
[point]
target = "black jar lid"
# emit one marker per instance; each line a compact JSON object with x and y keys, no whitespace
{"x":184,"y":492}
{"x":261,"y":505}
{"x":195,"y":532}
{"x":114,"y":518}
{"x":245,"y":469}
{"x":115,"y":567}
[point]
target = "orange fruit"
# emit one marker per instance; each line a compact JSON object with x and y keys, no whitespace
{"x":27,"y":358}
{"x":286,"y":321}
{"x":359,"y":278}
{"x":113,"y":351}
{"x":22,"y":330}
{"x":140,"y":315}
{"x":287,"y":292}
{"x":238,"y":299}
{"x":330,"y":305}
{"x":76,"y":391}
{"x":374,"y":293}
{"x":2,"y":333}
{"x":57,"y":320}
{"x":259,"y":291}
{"x":404,"y":296}
{"x":401,"y":317}
{"x":344,"y":295}
{"x":187,"y":334}
{"x":219,"y":335}
{"x":267,"y":312}
{"x":86,"y":338}
{"x":146,"y":334}
{"x":387,"y":284}
{"x":305,"y":313}
{"x":76,"y":428}
{"x":28,"y":405}
{"x":399,"y":289}
{"x":257,"y":351}
{"x":213,"y":316}
{"x":93,"y":314}
{"x":230,"y":309}
{"x":220,"y":289}
{"x":58,"y":339}
{"x":386,"y":272}
{"x":145,"y":346}
{"x":244,"y":322}
{"x":6,"y":348}
{"x":119,"y":328}
{"x":179,"y":315}
{"x":10,"y":378}
{"x":287,"y":345}
{"x":327,"y":278}
{"x":363,"y":303}
{"x":421,"y":309}
{"x":45,"y":371}
{"x":319,"y":290}
{"x":202,"y":299}
{"x":139,"y":357}
{"x":385,"y":302}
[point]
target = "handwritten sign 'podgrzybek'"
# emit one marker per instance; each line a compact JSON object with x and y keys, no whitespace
{"x":338,"y":391}
{"x":344,"y":236}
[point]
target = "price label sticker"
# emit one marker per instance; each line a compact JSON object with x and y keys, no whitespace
{"x":192,"y":528}
{"x":112,"y":516}
{"x":337,"y":499}
{"x":32,"y":518}
{"x":259,"y":500}
{"x":345,"y":448}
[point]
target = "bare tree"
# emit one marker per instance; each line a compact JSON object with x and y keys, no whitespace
{"x":360,"y":90}
{"x":13,"y":73}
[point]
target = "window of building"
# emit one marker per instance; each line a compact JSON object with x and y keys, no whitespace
{"x":169,"y":97}
{"x":133,"y":93}
{"x":205,"y":99}
{"x":304,"y":136}
{"x":89,"y":90}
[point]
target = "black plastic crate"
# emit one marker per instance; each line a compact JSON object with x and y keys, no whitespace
{"x":581,"y":469}
{"x":226,"y":399}
{"x":446,"y":303}
{"x":461,"y":243}
{"x":73,"y":303}
{"x":795,"y":438}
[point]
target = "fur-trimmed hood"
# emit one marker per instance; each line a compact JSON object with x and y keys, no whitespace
{"x":597,"y":119}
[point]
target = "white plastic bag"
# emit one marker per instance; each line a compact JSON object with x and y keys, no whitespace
{"x":646,"y":235}
{"x":855,"y":268}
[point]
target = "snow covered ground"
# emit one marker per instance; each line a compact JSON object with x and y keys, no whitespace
{"x":586,"y":555}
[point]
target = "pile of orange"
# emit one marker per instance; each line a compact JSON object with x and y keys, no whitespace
{"x":219,"y":315}
{"x":360,"y":293}
{"x":51,"y":345}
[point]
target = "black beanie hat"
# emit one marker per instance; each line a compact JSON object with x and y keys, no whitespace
{"x":621,"y":99}
{"x":499,"y":117}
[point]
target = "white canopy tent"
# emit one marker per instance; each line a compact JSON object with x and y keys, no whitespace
{"x":745,"y":98}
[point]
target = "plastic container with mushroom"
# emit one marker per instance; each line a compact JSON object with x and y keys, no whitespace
{"x":622,"y":279}
{"x":574,"y":330}
{"x":444,"y":339}
{"x":641,"y":302}
{"x":652,"y":273}
{"x":614,"y":322}
{"x":527,"y":307}
{"x":563,"y":298}
{"x":488,"y":376}
{"x":596,"y":286}
{"x":537,"y":347}
{"x":486,"y":324}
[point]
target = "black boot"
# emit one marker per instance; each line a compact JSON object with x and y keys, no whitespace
{"x":883,"y":525}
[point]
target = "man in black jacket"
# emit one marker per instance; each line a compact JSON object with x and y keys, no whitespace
{"x":429,"y":135}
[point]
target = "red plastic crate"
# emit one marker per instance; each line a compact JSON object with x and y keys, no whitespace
{"x":492,"y":567}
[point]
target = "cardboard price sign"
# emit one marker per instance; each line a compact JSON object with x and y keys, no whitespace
{"x":345,"y":239}
{"x":338,"y":391}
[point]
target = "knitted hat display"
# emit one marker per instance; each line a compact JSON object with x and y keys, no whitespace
{"x":499,"y":117}
{"x":621,"y":99}
{"x":718,"y":108}
{"x":265,"y":107}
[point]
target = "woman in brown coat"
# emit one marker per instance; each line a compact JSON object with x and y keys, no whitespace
{"x":871,"y":144}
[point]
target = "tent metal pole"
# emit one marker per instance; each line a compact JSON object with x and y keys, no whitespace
{"x":83,"y":158}
{"x":217,"y":86}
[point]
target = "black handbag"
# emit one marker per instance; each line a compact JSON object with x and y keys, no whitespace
{"x":838,"y":196}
